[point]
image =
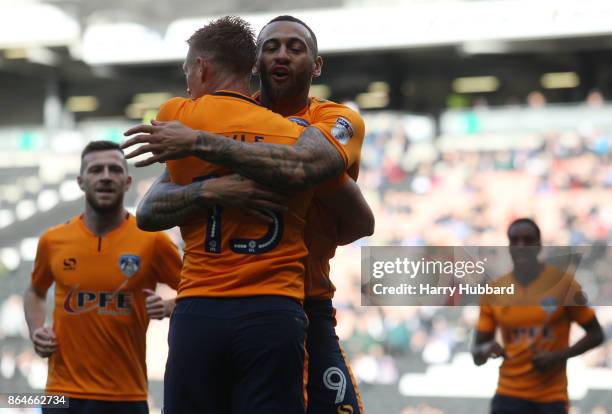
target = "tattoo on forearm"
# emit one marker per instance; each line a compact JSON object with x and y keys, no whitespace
{"x":166,"y":204}
{"x":309,"y":162}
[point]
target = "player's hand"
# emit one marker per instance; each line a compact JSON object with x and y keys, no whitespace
{"x":490,"y":349}
{"x":45,"y":341}
{"x":236,"y":191}
{"x":156,"y":307}
{"x":546,"y":360}
{"x":165,"y":140}
{"x":494,"y":350}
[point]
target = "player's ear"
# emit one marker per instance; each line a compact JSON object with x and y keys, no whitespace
{"x":255,"y":70}
{"x":80,"y":182}
{"x":202,"y":65}
{"x":128,"y":183}
{"x":317,"y":66}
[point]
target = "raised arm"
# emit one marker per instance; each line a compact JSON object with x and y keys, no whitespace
{"x":353,"y":215}
{"x":166,"y":204}
{"x":310,"y":161}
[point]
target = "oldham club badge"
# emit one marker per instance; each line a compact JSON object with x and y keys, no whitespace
{"x":342,"y":130}
{"x":129,"y":264}
{"x":549,"y":305}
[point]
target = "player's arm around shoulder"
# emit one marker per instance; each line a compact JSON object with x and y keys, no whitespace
{"x":353,"y":215}
{"x":310,"y":161}
{"x":322,"y":151}
{"x":167,"y":204}
{"x":313,"y":158}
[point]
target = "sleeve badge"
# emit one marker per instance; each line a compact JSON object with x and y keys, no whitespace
{"x":342,"y":130}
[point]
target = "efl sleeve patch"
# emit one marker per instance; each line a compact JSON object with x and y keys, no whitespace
{"x":342,"y":130}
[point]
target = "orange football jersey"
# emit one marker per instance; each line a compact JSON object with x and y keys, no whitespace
{"x":345,"y":129}
{"x":99,"y":315}
{"x":227,"y":253}
{"x":528,"y":328}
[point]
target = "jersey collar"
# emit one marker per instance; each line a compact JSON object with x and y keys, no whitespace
{"x":81,"y":223}
{"x":236,"y":95}
{"x":301,"y":112}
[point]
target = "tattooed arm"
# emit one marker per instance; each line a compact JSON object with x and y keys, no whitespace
{"x":309,"y":162}
{"x":167,"y":204}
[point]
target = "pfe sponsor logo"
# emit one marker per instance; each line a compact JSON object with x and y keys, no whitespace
{"x":105,"y":303}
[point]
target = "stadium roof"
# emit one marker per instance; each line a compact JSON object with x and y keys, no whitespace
{"x":158,"y":13}
{"x":147,"y":31}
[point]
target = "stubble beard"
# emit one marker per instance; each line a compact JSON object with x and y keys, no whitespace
{"x":104,"y":209}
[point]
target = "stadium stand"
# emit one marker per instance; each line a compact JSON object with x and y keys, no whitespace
{"x":410,"y":193}
{"x":441,"y":165}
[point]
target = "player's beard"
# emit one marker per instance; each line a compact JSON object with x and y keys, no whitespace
{"x":106,"y":208}
{"x":288,"y":90}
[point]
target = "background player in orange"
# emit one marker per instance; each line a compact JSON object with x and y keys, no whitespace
{"x":237,"y":334}
{"x":105,"y":271}
{"x":532,"y":377}
{"x":287,"y":62}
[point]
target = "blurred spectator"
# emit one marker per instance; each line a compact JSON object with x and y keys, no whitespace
{"x":12,"y":321}
{"x":536,"y":99}
{"x":595,"y":99}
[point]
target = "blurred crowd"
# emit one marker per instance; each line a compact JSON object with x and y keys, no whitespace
{"x":466,"y":197}
{"x":422,"y":194}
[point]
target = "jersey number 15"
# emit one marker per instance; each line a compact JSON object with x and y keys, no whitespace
{"x":212,"y":240}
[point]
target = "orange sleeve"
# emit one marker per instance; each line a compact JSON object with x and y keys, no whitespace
{"x":575,"y":296}
{"x":332,"y":185}
{"x":580,"y":314}
{"x":486,"y":320}
{"x":344,"y":128}
{"x":167,"y":262}
{"x":42,"y":275}
{"x":167,"y":111}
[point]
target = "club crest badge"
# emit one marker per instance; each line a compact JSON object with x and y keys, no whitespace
{"x":342,"y":130}
{"x":549,"y":305}
{"x":129,"y":264}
